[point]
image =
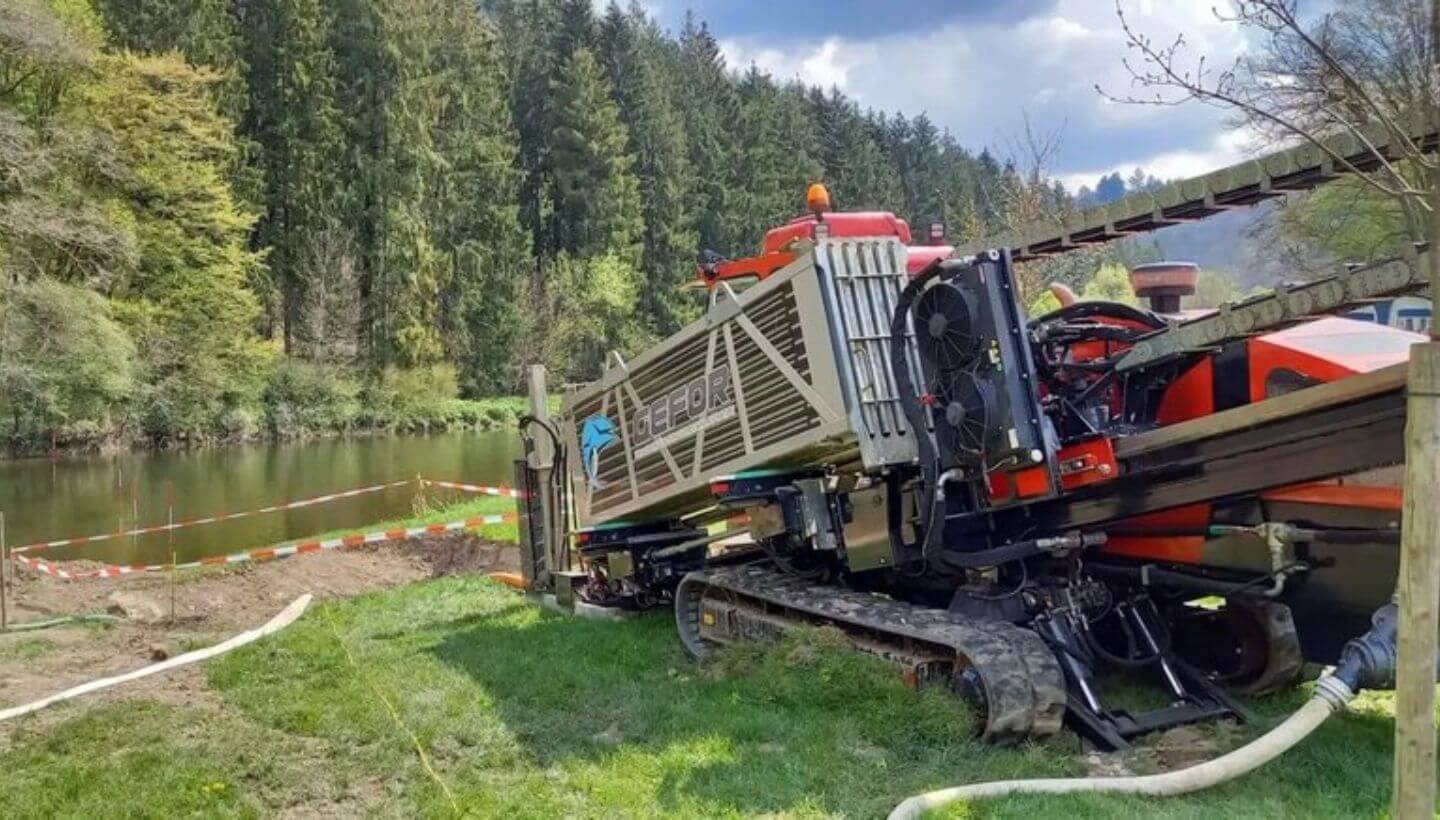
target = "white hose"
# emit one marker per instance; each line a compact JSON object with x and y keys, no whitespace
{"x":1331,"y":695}
{"x":287,"y":616}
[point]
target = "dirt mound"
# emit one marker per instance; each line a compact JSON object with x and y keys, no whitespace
{"x":456,"y":553}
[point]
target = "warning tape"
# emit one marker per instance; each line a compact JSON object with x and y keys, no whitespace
{"x":209,"y":519}
{"x":268,"y":553}
{"x":506,"y":492}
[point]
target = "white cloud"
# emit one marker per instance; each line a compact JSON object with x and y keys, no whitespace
{"x":824,"y":64}
{"x":980,"y":80}
{"x":1228,"y":148}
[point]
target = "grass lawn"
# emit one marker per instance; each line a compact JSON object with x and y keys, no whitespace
{"x":526,"y":713}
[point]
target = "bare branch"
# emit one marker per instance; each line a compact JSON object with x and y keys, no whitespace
{"x":1232,"y":89}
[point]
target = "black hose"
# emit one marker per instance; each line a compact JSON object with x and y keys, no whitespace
{"x":1151,"y":574}
{"x":1117,"y":310}
{"x":993,"y":557}
{"x":559,"y":476}
{"x":1162,"y":641}
{"x":909,"y":398}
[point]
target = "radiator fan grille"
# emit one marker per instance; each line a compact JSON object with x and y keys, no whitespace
{"x":967,"y":406}
{"x":947,"y":321}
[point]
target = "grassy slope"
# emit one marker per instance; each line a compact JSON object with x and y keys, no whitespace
{"x":530,"y":714}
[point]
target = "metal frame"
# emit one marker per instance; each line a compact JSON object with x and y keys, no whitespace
{"x":1296,"y":169}
{"x":861,"y":281}
{"x":725,"y":323}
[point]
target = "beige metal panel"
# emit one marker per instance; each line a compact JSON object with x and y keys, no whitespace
{"x":753,"y":383}
{"x":861,"y":284}
{"x":867,"y":536}
{"x":764,"y":379}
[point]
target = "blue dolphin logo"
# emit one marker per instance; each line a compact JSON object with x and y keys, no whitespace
{"x":596,"y":434}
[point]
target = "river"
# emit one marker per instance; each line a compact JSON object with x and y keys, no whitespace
{"x":49,"y":499}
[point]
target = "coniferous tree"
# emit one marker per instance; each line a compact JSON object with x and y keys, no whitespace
{"x":472,"y":201}
{"x":445,"y":186}
{"x":777,"y":155}
{"x":205,"y":31}
{"x":293,"y":120}
{"x":711,"y":108}
{"x":596,"y":194}
{"x":632,"y":49}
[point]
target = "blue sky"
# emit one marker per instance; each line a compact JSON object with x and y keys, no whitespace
{"x":979,"y":68}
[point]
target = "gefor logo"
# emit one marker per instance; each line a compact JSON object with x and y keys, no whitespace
{"x":597,"y":433}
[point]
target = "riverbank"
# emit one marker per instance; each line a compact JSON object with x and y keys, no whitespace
{"x":288,"y":425}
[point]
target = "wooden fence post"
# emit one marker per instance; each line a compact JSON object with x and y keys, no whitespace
{"x":4,"y":576}
{"x":1419,"y":592}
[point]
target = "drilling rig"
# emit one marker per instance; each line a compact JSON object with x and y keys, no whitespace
{"x":873,"y":436}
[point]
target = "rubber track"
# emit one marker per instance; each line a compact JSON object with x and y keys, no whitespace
{"x":1022,"y":681}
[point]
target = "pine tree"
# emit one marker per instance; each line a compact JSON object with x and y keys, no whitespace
{"x":860,"y":174}
{"x":381,"y":54}
{"x":293,"y":120}
{"x":632,"y":51}
{"x":205,"y":31}
{"x":777,"y":155}
{"x":364,"y":82}
{"x":596,"y":194}
{"x":471,"y":200}
{"x":712,"y":109}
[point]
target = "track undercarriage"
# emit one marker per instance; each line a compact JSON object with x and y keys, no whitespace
{"x":1024,"y":681}
{"x":1006,"y":672}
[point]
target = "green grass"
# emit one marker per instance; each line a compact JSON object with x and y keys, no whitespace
{"x":439,"y":506}
{"x":27,"y":648}
{"x":525,"y":713}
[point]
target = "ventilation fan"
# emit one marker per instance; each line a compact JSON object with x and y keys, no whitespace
{"x":965,"y":414}
{"x":946,"y":322}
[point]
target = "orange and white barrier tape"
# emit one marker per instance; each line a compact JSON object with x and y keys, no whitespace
{"x":210,"y":519}
{"x":268,"y":553}
{"x":505,"y":492}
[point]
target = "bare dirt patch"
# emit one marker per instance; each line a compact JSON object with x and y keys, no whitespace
{"x":209,"y":606}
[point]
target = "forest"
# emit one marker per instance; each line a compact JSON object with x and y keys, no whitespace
{"x":224,"y":219}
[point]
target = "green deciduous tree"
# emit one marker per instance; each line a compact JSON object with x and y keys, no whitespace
{"x":63,"y":359}
{"x":186,"y":298}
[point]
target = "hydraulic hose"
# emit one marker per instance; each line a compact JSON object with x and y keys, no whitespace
{"x":906,"y":391}
{"x":1331,"y":695}
{"x":909,"y":396}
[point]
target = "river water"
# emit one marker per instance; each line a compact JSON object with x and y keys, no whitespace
{"x":49,"y":499}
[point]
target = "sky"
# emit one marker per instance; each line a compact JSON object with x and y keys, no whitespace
{"x":979,"y":68}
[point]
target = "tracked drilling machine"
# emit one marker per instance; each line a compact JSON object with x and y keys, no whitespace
{"x":874,"y":437}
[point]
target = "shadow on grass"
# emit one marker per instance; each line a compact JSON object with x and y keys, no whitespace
{"x":529,"y":713}
{"x":798,"y":727}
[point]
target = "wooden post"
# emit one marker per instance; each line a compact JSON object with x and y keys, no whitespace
{"x":542,"y":461}
{"x":1418,"y":588}
{"x":170,"y":535}
{"x":4,"y":575}
{"x":1419,"y":592}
